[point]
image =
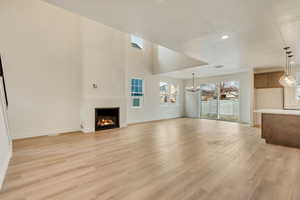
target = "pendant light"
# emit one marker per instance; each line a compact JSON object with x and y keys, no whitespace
{"x":288,"y":80}
{"x":292,"y":80}
{"x":193,"y":88}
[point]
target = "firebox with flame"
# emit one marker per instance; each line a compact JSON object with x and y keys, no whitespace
{"x":105,"y":122}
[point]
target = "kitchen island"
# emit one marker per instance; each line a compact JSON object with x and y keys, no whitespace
{"x":281,"y":127}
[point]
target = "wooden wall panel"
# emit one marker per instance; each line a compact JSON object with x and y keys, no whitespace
{"x":267,"y":80}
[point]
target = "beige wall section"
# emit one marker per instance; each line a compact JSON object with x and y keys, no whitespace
{"x":167,"y":60}
{"x":41,"y":56}
{"x":270,"y":98}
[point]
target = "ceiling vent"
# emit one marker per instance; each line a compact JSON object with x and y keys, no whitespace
{"x":219,"y":66}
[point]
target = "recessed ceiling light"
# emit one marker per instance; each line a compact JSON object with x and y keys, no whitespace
{"x":225,"y":37}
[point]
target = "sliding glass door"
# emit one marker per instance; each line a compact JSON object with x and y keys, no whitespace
{"x":229,"y":101}
{"x":209,"y":101}
{"x":220,"y":101}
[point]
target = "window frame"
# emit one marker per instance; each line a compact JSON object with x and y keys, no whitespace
{"x":169,"y":103}
{"x":142,"y":94}
{"x":136,"y":42}
{"x":167,"y":93}
{"x":176,"y":86}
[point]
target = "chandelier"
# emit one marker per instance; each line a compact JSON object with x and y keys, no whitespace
{"x":193,"y":88}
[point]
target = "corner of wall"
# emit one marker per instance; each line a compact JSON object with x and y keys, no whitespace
{"x":4,"y":167}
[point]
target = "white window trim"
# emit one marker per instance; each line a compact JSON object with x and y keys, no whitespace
{"x":141,"y":102}
{"x":168,"y":104}
{"x":177,"y":96}
{"x":168,"y":92}
{"x":140,"y":97}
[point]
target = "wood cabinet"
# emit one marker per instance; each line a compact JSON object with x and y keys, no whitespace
{"x":267,"y":80}
{"x":281,"y":129}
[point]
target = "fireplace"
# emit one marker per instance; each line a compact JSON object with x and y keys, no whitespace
{"x":107,"y":118}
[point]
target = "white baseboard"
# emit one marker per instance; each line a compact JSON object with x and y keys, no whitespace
{"x":36,"y":133}
{"x":4,"y":167}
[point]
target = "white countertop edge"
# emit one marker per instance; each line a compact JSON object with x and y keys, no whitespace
{"x":278,"y":111}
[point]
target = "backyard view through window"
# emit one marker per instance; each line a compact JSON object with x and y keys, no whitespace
{"x":168,"y":93}
{"x":173,"y":93}
{"x":164,"y":92}
{"x":220,"y":101}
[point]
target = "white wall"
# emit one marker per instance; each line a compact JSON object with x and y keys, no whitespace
{"x":5,"y":141}
{"x":140,"y":65}
{"x":246,"y":93}
{"x":41,"y":54}
{"x":167,"y":60}
{"x":109,"y":60}
{"x":192,"y":104}
{"x":53,"y":57}
{"x":103,"y":64}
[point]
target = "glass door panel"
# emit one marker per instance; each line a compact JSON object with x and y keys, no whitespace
{"x":209,"y":101}
{"x":229,"y":101}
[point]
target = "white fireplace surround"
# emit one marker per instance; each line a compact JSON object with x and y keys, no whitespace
{"x":88,"y":111}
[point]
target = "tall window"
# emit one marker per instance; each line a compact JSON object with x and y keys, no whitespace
{"x":137,"y":92}
{"x":168,"y":93}
{"x":297,"y":87}
{"x":173,"y":94}
{"x":164,"y":92}
{"x":137,"y":42}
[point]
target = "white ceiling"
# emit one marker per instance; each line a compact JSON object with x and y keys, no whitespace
{"x":258,"y":29}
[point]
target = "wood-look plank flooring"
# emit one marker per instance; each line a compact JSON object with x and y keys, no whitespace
{"x":184,"y":159}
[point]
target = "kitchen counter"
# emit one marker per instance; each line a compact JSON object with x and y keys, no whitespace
{"x":278,"y":111}
{"x":281,"y":127}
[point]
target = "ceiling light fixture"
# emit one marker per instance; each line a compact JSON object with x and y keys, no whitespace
{"x":193,"y":88}
{"x":225,"y":37}
{"x":288,"y":80}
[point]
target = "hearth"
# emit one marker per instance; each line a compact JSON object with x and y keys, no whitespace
{"x":107,"y":118}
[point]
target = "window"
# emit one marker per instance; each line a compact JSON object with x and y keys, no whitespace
{"x":137,"y":92}
{"x":168,"y":93}
{"x":137,"y":42}
{"x":297,"y":88}
{"x":173,"y":94}
{"x":164,"y":92}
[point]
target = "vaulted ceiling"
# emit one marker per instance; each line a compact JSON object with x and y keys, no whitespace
{"x":257,"y":29}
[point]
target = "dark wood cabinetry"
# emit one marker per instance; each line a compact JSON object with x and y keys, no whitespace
{"x":267,"y":80}
{"x":281,"y":129}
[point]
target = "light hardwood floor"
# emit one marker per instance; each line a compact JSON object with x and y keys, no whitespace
{"x":168,"y":160}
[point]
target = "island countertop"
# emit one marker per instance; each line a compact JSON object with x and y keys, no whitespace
{"x":278,"y":111}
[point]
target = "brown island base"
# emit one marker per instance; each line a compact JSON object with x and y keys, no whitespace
{"x":281,"y":128}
